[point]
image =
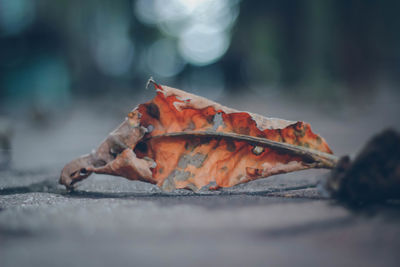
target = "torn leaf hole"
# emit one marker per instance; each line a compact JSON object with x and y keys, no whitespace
{"x":257,"y":150}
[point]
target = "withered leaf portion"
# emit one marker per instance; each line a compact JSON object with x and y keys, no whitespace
{"x":180,"y":140}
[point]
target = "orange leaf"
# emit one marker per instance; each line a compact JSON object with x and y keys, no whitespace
{"x":180,"y":140}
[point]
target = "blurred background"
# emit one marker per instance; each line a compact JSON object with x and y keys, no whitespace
{"x":70,"y":70}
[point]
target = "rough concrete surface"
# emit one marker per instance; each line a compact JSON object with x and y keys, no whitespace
{"x":279,"y":221}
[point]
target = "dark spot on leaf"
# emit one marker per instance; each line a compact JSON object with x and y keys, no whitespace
{"x":281,"y":137}
{"x":205,"y":141}
{"x":216,"y":144}
{"x":153,"y":110}
{"x":210,"y":119}
{"x":230,"y":146}
{"x":192,"y":144}
{"x":141,"y":147}
{"x":308,"y":160}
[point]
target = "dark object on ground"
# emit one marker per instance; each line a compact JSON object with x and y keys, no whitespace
{"x":373,"y":176}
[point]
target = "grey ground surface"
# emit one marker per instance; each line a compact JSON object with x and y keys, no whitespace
{"x":279,"y":221}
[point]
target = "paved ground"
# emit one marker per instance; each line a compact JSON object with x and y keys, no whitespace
{"x":279,"y":221}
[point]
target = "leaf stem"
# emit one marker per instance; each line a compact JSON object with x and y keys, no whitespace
{"x":314,"y":158}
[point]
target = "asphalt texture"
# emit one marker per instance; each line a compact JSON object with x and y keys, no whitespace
{"x":284,"y":220}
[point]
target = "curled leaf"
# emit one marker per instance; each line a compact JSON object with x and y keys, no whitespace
{"x":180,"y":140}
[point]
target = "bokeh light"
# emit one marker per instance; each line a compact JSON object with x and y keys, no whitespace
{"x":201,"y":27}
{"x":114,"y":54}
{"x":113,"y":50}
{"x":163,"y":58}
{"x":268,"y":47}
{"x":16,"y":15}
{"x":201,"y":45}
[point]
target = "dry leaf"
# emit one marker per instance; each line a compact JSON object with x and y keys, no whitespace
{"x":180,"y":140}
